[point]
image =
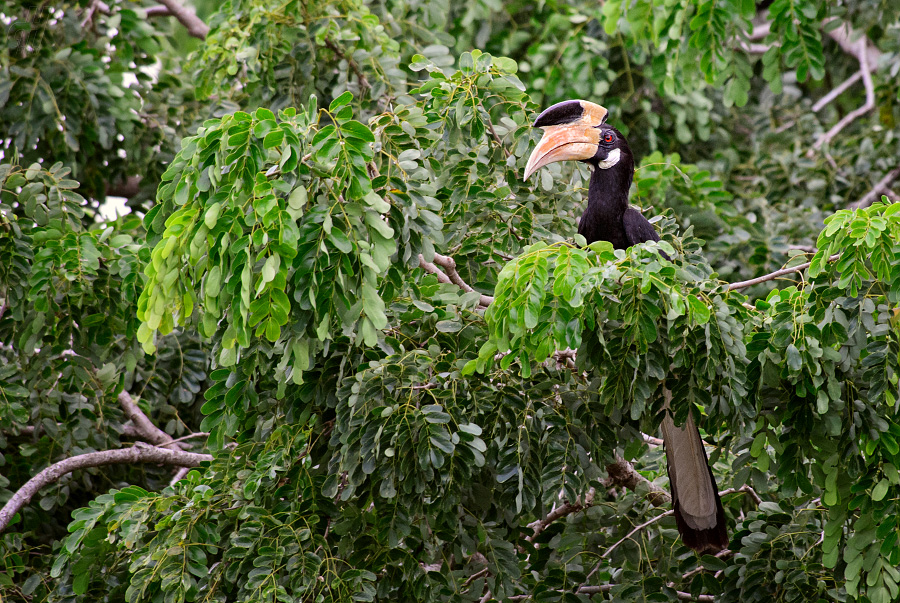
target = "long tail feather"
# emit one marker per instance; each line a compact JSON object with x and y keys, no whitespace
{"x":695,"y":496}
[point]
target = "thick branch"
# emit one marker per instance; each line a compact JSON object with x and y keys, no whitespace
{"x":195,"y":26}
{"x":560,"y":512}
{"x":848,"y":40}
{"x":360,"y":76}
{"x":774,"y":275}
{"x":158,"y":11}
{"x":452,"y":276}
{"x":882,"y":186}
{"x":139,"y":453}
{"x":623,"y":474}
{"x":142,"y":424}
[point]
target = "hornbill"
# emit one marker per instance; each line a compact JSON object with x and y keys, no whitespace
{"x":576,"y":130}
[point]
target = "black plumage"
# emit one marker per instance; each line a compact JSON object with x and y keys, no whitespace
{"x":576,"y":130}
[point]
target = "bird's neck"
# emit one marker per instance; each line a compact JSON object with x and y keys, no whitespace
{"x":607,"y":202}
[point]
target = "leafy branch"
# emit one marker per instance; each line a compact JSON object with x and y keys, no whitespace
{"x":139,"y":453}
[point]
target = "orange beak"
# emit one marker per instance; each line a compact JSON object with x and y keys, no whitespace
{"x":574,"y":140}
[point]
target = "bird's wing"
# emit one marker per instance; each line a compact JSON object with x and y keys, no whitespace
{"x":695,"y":497}
{"x":637,"y":228}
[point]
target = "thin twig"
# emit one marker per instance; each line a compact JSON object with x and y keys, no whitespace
{"x":95,"y":6}
{"x":720,"y":555}
{"x":774,"y":275}
{"x":158,"y":11}
{"x":493,"y":132}
{"x":451,"y":276}
{"x":822,"y":102}
{"x":863,"y":56}
{"x":873,"y":195}
{"x":179,"y":475}
{"x":139,"y":453}
{"x":651,"y":440}
{"x":474,"y":577}
{"x":360,"y":76}
{"x":634,"y":531}
{"x":190,"y":436}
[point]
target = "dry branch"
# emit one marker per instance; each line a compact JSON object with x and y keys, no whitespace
{"x":623,"y":474}
{"x":774,"y":275}
{"x":881,"y":187}
{"x":863,"y":56}
{"x":142,"y":424}
{"x":560,"y":512}
{"x":451,"y":276}
{"x":360,"y":76}
{"x":837,"y":91}
{"x":187,"y":17}
{"x":139,"y":453}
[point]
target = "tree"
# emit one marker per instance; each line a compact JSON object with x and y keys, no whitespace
{"x":340,"y":350}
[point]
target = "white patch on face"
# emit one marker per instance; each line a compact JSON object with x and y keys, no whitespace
{"x":611,"y":159}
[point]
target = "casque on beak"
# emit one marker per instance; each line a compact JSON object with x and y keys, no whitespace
{"x":570,"y":132}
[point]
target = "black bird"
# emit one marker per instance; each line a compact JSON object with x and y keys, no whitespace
{"x":576,"y":130}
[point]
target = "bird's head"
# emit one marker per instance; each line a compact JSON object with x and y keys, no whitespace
{"x":575,"y":130}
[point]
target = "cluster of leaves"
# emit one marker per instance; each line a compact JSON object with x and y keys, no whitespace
{"x":68,"y":297}
{"x":71,"y":89}
{"x":376,"y":437}
{"x":644,"y":323}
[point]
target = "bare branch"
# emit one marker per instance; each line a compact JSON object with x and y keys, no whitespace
{"x":158,"y":11}
{"x":847,"y":39}
{"x":360,"y":76}
{"x":651,"y":440}
{"x":774,"y":275}
{"x":760,"y":31}
{"x":820,"y":104}
{"x":452,"y":276}
{"x":493,"y":132}
{"x":746,"y":490}
{"x":179,"y":475}
{"x":142,"y":424}
{"x":474,"y":577}
{"x":558,"y":513}
{"x":190,"y":436}
{"x":863,"y":55}
{"x":187,"y":17}
{"x":873,"y":195}
{"x":622,"y":473}
{"x":725,"y":553}
{"x":96,"y":6}
{"x":634,"y":531}
{"x":139,"y":453}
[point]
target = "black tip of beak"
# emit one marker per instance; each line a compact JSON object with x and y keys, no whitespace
{"x":560,"y":113}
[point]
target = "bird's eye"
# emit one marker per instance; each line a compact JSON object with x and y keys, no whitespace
{"x":608,"y":137}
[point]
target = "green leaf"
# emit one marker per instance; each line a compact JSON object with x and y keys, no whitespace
{"x":340,"y":101}
{"x":355,"y":129}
